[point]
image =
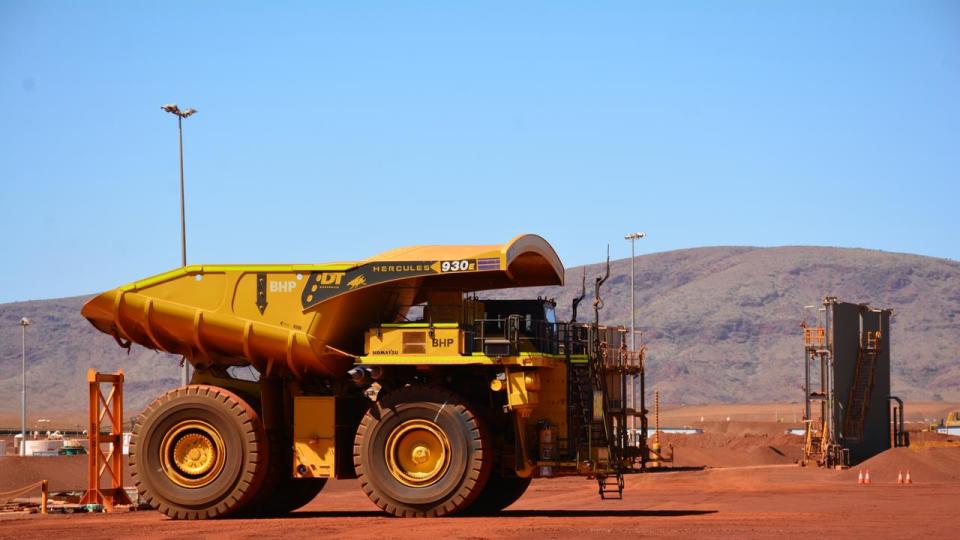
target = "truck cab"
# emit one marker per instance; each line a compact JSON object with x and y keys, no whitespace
{"x":472,"y":329}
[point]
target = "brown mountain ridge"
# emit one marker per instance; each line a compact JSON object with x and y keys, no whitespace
{"x":722,"y":324}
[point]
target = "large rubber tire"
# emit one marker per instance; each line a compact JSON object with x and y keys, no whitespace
{"x":469,"y":457}
{"x":499,"y":493}
{"x":244,"y":453}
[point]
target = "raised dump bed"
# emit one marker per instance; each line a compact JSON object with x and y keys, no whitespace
{"x":303,"y":319}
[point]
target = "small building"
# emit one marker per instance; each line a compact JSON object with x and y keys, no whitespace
{"x":43,"y":447}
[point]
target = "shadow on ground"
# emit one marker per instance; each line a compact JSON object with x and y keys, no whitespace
{"x":332,"y":514}
{"x":602,"y":513}
{"x":689,"y":468}
{"x":513,"y":514}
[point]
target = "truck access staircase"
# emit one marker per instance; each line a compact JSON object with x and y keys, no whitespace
{"x":600,"y":371}
{"x":598,"y":408}
{"x":858,"y":402}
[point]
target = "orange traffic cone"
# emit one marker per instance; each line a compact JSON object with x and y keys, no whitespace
{"x":899,"y":477}
{"x":860,"y":477}
{"x":866,"y":477}
{"x":908,"y":480}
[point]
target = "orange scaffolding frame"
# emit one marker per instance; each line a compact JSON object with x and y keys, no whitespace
{"x":109,"y":408}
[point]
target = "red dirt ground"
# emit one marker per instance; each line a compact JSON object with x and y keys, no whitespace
{"x":755,"y":502}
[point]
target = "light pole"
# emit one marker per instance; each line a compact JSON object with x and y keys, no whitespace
{"x":632,"y":237}
{"x":24,"y":323}
{"x":173,"y":109}
{"x":632,"y":391}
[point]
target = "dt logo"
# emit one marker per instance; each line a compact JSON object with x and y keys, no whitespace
{"x":330,"y":279}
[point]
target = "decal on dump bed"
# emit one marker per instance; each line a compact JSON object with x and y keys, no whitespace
{"x":321,"y":286}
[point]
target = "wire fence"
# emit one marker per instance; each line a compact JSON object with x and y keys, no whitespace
{"x":9,"y":496}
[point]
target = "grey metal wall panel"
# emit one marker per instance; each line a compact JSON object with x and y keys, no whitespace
{"x":845,"y":342}
{"x":844,"y":346}
{"x":877,"y":425}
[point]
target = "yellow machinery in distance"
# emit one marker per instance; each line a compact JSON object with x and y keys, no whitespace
{"x":391,"y":370}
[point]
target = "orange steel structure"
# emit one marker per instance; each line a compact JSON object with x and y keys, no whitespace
{"x":109,"y":408}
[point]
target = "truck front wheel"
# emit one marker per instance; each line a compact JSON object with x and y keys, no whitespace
{"x":422,"y":451}
{"x":198,"y":452}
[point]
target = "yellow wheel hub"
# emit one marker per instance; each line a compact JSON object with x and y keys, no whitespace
{"x":192,"y":453}
{"x":418,"y":453}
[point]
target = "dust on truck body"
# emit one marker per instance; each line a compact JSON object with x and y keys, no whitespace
{"x":391,"y":370}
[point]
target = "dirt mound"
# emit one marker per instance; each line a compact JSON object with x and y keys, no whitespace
{"x":747,"y":427}
{"x":926,"y":465}
{"x":728,"y":450}
{"x":65,"y":473}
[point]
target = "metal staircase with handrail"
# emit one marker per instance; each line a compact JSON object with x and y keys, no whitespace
{"x":858,"y":402}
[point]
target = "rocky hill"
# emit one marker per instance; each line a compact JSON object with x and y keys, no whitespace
{"x":721,"y":325}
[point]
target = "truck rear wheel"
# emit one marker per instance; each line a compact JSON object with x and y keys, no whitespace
{"x":421,"y":451}
{"x":500,"y":492}
{"x":198,"y":452}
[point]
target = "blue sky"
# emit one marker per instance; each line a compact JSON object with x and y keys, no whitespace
{"x":332,"y":131}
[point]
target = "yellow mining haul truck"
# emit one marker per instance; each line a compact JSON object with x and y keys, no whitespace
{"x":392,"y":370}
